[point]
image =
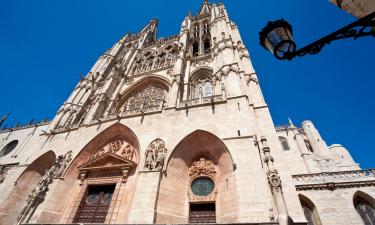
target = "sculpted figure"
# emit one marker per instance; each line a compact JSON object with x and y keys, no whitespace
{"x":155,"y":155}
{"x":66,"y":160}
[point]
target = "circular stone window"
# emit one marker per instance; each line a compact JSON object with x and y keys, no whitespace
{"x":8,"y":148}
{"x":202,"y":186}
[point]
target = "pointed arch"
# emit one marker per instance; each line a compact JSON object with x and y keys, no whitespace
{"x":160,"y":82}
{"x":16,"y":200}
{"x":196,"y":146}
{"x":72,"y":184}
{"x":310,"y":211}
{"x":116,"y":130}
{"x":201,"y":83}
{"x":198,"y":142}
{"x":365,"y":207}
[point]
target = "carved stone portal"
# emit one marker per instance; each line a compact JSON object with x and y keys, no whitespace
{"x":155,"y":155}
{"x":114,"y":159}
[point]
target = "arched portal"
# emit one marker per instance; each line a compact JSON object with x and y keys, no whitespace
{"x":101,"y":178}
{"x":13,"y":205}
{"x":197,"y":171}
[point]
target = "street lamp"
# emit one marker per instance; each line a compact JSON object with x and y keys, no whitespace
{"x":277,"y":37}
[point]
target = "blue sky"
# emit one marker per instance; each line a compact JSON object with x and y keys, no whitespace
{"x":45,"y":45}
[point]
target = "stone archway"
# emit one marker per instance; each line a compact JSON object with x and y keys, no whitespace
{"x":194,"y":147}
{"x":110,"y":159}
{"x":12,"y":206}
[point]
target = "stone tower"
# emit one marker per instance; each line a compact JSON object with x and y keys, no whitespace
{"x":175,"y":131}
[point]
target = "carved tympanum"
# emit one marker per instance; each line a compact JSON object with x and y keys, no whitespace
{"x":155,"y":155}
{"x":117,"y":157}
{"x":118,"y":147}
{"x":202,"y":167}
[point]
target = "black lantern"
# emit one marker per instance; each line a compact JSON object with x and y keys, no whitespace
{"x":277,"y":38}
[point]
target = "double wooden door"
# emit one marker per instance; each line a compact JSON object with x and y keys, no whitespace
{"x":202,"y":213}
{"x":95,"y":204}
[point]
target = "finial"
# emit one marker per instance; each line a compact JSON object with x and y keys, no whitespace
{"x":2,"y":120}
{"x":290,"y":122}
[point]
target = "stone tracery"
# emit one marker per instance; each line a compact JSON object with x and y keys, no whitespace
{"x":152,"y":96}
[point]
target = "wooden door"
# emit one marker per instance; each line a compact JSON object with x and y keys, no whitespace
{"x":202,"y":213}
{"x":95,"y":204}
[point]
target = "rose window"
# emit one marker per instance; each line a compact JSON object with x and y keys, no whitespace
{"x":202,"y":186}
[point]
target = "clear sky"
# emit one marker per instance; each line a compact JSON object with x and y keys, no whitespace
{"x":45,"y":45}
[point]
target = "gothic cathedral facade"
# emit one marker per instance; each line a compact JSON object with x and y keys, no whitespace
{"x":176,"y":131}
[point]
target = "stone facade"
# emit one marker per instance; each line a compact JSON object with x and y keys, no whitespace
{"x":165,"y":130}
{"x":358,"y":8}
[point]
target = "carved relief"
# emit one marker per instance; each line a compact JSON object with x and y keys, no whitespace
{"x":65,"y":162}
{"x":202,"y":167}
{"x":38,"y":194}
{"x":3,"y":172}
{"x":118,"y":147}
{"x":113,"y":160}
{"x":202,"y":182}
{"x":155,"y":155}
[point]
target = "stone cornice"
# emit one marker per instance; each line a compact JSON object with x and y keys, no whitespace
{"x":333,"y":185}
{"x":334,"y":180}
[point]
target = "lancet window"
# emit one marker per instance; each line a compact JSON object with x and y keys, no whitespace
{"x":284,"y":143}
{"x":310,"y":211}
{"x":201,"y":38}
{"x":155,"y":59}
{"x":203,"y":87}
{"x":366,"y":211}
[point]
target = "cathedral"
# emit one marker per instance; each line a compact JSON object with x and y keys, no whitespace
{"x":176,"y":131}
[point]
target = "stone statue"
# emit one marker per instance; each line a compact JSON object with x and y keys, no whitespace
{"x":66,"y":160}
{"x":3,"y":170}
{"x":38,"y":194}
{"x":155,"y":155}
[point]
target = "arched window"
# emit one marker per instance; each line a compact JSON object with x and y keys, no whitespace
{"x":206,"y":28}
{"x":196,"y":31}
{"x":8,"y":148}
{"x":284,"y":143}
{"x":151,"y":96}
{"x":195,"y":49}
{"x":207,"y":46}
{"x":308,"y":146}
{"x":365,"y":210}
{"x":310,"y":211}
{"x":202,"y":88}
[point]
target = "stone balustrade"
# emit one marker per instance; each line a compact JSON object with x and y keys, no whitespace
{"x":200,"y":101}
{"x":25,"y":126}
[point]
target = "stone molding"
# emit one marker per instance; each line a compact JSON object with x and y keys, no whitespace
{"x":334,"y":180}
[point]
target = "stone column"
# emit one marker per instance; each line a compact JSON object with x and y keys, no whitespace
{"x":275,"y":183}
